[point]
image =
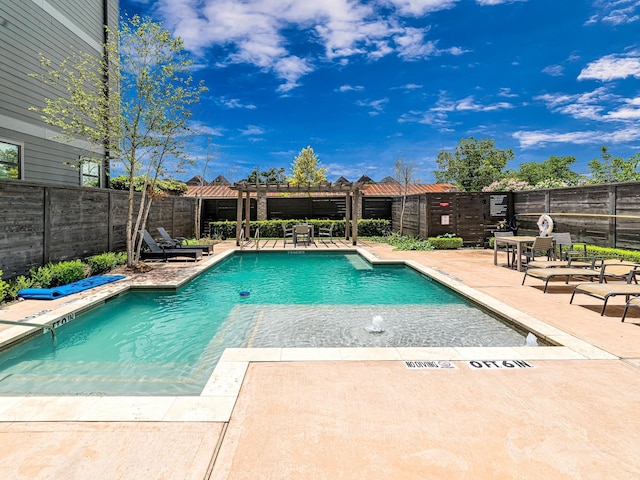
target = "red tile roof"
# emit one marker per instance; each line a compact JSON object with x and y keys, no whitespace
{"x":368,"y":190}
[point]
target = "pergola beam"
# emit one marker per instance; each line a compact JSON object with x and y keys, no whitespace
{"x":351,"y":191}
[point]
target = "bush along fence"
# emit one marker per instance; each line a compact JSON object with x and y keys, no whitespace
{"x":273,"y":228}
{"x":61,"y":273}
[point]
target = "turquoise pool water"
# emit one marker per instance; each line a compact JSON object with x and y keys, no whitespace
{"x":159,"y":343}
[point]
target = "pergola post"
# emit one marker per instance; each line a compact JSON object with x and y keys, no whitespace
{"x":247,"y":216}
{"x":347,"y":215}
{"x":238,"y":218}
{"x":356,"y":214}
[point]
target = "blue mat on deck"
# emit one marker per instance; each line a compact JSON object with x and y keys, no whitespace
{"x":68,"y":289}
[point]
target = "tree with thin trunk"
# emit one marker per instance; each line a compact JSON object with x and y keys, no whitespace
{"x":201,"y":181}
{"x":130,"y":104}
{"x":404,"y":175}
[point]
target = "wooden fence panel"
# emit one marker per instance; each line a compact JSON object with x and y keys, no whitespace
{"x":41,"y":223}
{"x":78,"y":223}
{"x":627,"y":205}
{"x":21,"y":228}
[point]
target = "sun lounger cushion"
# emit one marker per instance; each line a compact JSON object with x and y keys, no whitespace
{"x":70,"y":288}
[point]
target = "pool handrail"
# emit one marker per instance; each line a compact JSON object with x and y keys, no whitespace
{"x":26,"y":324}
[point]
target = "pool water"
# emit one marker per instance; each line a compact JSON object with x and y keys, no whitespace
{"x":161,"y":343}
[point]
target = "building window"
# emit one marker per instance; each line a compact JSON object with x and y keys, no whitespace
{"x":10,"y":160}
{"x":89,"y":173}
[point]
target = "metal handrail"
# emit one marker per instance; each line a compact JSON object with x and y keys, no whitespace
{"x":26,"y":324}
{"x":257,"y":238}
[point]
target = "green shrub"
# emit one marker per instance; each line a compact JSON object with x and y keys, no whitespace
{"x":67,"y":272}
{"x":195,"y":241}
{"x":41,"y":277}
{"x":171,"y":186}
{"x":102,"y":263}
{"x":273,"y":228}
{"x":17,"y":284}
{"x":446,"y":243}
{"x":608,"y":252}
{"x":4,"y":288}
{"x":404,"y":242}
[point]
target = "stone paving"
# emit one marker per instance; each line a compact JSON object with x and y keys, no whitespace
{"x":379,"y":413}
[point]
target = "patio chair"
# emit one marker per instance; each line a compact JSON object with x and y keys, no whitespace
{"x":541,"y":245}
{"x":287,"y":232}
{"x":505,"y":247}
{"x":158,"y":252}
{"x":301,"y":234}
{"x":566,"y":247}
{"x":604,"y":291}
{"x":326,"y":232}
{"x":169,"y":241}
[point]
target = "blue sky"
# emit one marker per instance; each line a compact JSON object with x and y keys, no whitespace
{"x":367,"y":82}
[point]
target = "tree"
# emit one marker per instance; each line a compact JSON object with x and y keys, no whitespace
{"x":132,"y":103}
{"x":404,"y":175}
{"x":553,"y":169}
{"x":306,"y":169}
{"x":201,"y":181}
{"x":273,"y":175}
{"x":474,"y":164}
{"x":614,"y":169}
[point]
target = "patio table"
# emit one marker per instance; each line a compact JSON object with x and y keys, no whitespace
{"x":518,"y":241}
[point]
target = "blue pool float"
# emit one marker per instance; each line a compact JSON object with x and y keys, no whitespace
{"x":245,"y":294}
{"x":70,"y":288}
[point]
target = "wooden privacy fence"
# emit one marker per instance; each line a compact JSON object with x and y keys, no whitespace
{"x":604,"y":215}
{"x":471,"y":216}
{"x":41,"y":223}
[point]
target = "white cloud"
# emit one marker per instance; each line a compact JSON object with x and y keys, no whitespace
{"x":350,"y":88}
{"x":376,"y":106}
{"x":616,"y":12}
{"x":612,"y":67}
{"x":541,"y":138}
{"x":489,"y":3}
{"x":408,"y":86}
{"x":252,"y":130}
{"x":468,"y":104}
{"x":554,"y":70}
{"x":629,"y":111}
{"x":235,"y":103}
{"x":256,"y":32}
{"x":587,"y":105}
{"x":203,"y":129}
{"x":506,"y":92}
{"x":420,"y":7}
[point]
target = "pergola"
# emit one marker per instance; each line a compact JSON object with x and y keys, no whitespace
{"x":350,"y":190}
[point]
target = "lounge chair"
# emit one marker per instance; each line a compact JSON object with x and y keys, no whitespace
{"x":605,"y":272}
{"x":604,"y":291}
{"x":158,"y":252}
{"x":287,"y":233}
{"x":571,"y":261}
{"x":169,"y":241}
{"x":326,"y":232}
{"x":631,"y":303}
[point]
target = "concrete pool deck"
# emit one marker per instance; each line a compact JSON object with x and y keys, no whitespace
{"x":338,"y":413}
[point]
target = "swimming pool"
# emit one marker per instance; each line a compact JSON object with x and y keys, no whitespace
{"x":167,"y":343}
